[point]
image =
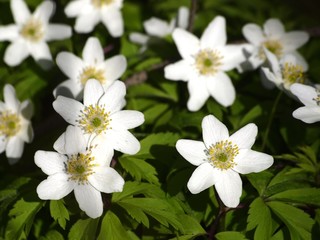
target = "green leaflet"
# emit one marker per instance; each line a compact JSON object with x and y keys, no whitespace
{"x":230,"y":235}
{"x":59,"y":212}
{"x":84,"y":229}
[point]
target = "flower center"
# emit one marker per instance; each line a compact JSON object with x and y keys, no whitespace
{"x":317,"y":99}
{"x":101,"y":3}
{"x":222,"y":154}
{"x":80,"y":167}
{"x":94,"y":119}
{"x":293,"y":74}
{"x":273,"y":46}
{"x":9,"y":124}
{"x":92,"y":73}
{"x":32,"y":30}
{"x":208,"y":61}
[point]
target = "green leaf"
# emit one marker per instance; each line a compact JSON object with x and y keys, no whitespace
{"x":22,"y":215}
{"x":260,"y":218}
{"x":84,"y":229}
{"x":302,"y":195}
{"x":230,"y":235}
{"x":190,"y":226}
{"x":59,"y":212}
{"x":297,"y":221}
{"x":112,"y":229}
{"x":255,"y":112}
{"x":52,"y":235}
{"x":260,"y":180}
{"x":151,"y":114}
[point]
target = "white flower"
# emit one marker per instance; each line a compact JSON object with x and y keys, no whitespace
{"x":15,"y":127}
{"x":93,"y":65}
{"x":274,"y":38}
{"x":220,"y":158}
{"x":204,"y":63}
{"x":82,"y":168}
{"x":101,"y":117}
{"x":310,"y":97}
{"x":90,"y":12}
{"x":31,"y":32}
{"x":156,"y":27}
{"x":285,"y":72}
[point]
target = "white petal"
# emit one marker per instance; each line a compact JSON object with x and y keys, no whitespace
{"x":273,"y":62}
{"x":123,"y":141}
{"x":202,"y":178}
{"x":74,"y":8}
{"x":249,"y":161}
{"x":14,"y":149}
{"x":221,"y":89}
{"x":193,"y":151}
{"x":115,"y":67}
{"x":59,"y":144}
{"x":15,"y":53}
{"x":156,"y":27}
{"x":89,"y":199}
{"x":10,"y":98}
{"x":215,"y":33}
{"x":70,"y":64}
{"x":300,"y":60}
{"x":113,"y":21}
{"x":9,"y":32}
{"x":68,"y":108}
{"x":44,"y":11}
{"x":253,"y":33}
{"x":270,"y":76}
{"x":93,"y":91}
{"x":183,"y":17}
{"x":3,"y":143}
{"x":293,"y":40}
{"x":75,"y":141}
{"x":69,"y":88}
{"x":198,"y":93}
{"x":93,"y":52}
{"x":213,"y":131}
{"x":126,"y":119}
{"x":41,"y":52}
{"x":26,"y":109}
{"x":55,"y":187}
{"x":58,"y":32}
{"x":232,"y":56}
{"x":114,"y":96}
{"x":273,"y":28}
{"x":102,"y":151}
{"x":86,"y":22}
{"x":307,"y":114}
{"x":26,"y":132}
{"x":229,"y":188}
{"x":139,"y":38}
{"x":245,"y":137}
{"x":255,"y":60}
{"x":107,"y":180}
{"x":50,"y":162}
{"x":305,"y":93}
{"x":20,"y":11}
{"x":177,"y":71}
{"x":188,"y":44}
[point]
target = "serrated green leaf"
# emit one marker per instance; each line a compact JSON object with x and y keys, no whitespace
{"x":255,"y":112}
{"x":84,"y":229}
{"x":260,"y":180}
{"x":260,"y":218}
{"x":190,"y":226}
{"x":302,"y":195}
{"x":52,"y":235}
{"x":297,"y":221}
{"x":112,"y":229}
{"x":136,"y":213}
{"x":151,"y":114}
{"x":22,"y":215}
{"x":230,"y":235}
{"x":59,"y":212}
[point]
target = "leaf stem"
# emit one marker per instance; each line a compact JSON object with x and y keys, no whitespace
{"x":193,"y":10}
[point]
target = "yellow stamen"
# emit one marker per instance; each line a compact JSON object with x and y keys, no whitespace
{"x":9,"y":124}
{"x":32,"y":30}
{"x":292,"y":74}
{"x":101,"y":3}
{"x":92,"y":73}
{"x":208,"y":61}
{"x":273,"y":46}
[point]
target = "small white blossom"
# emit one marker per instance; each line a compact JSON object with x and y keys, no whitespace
{"x":92,"y":66}
{"x":100,"y":116}
{"x":220,"y":158}
{"x":31,"y":32}
{"x":79,"y":167}
{"x":15,"y":126}
{"x":310,"y":97}
{"x":274,"y":38}
{"x":204,"y":63}
{"x":89,"y":13}
{"x":155,"y":27}
{"x":285,"y":72}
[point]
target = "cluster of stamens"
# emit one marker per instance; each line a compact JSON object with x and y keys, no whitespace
{"x":221,"y":155}
{"x":94,"y":119}
{"x":292,"y":74}
{"x":80,"y":166}
{"x":32,"y":30}
{"x":100,"y":3}
{"x":208,"y":61}
{"x":92,"y":73}
{"x":9,"y":124}
{"x":273,"y":46}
